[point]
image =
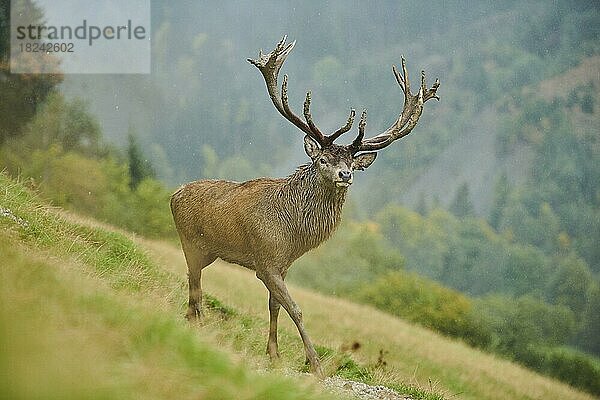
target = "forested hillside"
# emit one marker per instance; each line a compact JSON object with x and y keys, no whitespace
{"x":482,"y":224}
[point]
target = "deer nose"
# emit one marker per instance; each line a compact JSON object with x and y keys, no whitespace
{"x":345,"y":175}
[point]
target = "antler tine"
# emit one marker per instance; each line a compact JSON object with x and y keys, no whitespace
{"x":399,"y":78}
{"x":431,"y":93}
{"x":308,"y":117}
{"x":289,"y":114}
{"x":405,"y":75}
{"x":408,"y":118}
{"x":344,"y":128}
{"x":361,"y":131}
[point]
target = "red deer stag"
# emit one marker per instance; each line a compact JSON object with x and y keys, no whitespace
{"x":265,"y":224}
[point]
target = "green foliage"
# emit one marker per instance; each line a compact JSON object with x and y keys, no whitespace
{"x":4,"y":29}
{"x":67,"y":124}
{"x":570,"y":284}
{"x":427,"y":303}
{"x":588,"y":336}
{"x":465,"y":254}
{"x":72,"y":180}
{"x":517,"y":324}
{"x":235,"y":167}
{"x":462,"y":206}
{"x":215,"y":304}
{"x":582,"y":97}
{"x":561,"y":198}
{"x":470,"y":256}
{"x":355,"y":254}
{"x":20,"y":94}
{"x":239,"y":168}
{"x":501,"y":194}
{"x":415,"y":393}
{"x":349,"y":369}
{"x":61,"y":150}
{"x":530,"y":332}
{"x":139,"y":167}
{"x":146,"y":210}
{"x":577,"y":369}
{"x":423,"y":244}
{"x":537,"y":225}
{"x":525,"y":271}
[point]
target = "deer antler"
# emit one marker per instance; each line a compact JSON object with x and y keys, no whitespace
{"x":407,"y":120}
{"x":269,"y":65}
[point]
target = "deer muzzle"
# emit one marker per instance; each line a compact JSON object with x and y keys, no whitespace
{"x":345,"y":178}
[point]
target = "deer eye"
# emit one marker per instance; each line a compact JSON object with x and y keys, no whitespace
{"x":323,"y":161}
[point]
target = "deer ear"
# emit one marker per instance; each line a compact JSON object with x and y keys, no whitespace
{"x":363,"y":161}
{"x":311,"y":147}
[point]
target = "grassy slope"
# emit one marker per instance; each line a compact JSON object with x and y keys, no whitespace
{"x":85,"y":314}
{"x":415,"y":355}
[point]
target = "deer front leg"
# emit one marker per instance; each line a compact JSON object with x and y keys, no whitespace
{"x":273,"y":315}
{"x":276,"y":286}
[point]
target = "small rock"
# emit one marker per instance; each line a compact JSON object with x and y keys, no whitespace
{"x":362,"y":390}
{"x":5,"y":212}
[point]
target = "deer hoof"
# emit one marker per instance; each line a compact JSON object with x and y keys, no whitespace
{"x":317,"y":371}
{"x":273,"y":353}
{"x":193,"y":314}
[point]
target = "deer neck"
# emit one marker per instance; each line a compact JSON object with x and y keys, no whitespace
{"x":315,"y":206}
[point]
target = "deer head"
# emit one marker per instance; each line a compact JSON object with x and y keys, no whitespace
{"x":336,"y":163}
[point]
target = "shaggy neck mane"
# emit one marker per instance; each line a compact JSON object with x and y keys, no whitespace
{"x":312,"y":206}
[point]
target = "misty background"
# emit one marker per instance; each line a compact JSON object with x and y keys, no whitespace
{"x":203,"y":97}
{"x":494,"y":195}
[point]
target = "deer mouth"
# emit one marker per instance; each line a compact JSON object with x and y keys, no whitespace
{"x":343,"y":183}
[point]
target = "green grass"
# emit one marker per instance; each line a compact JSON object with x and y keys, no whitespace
{"x":88,"y":312}
{"x":66,"y":336}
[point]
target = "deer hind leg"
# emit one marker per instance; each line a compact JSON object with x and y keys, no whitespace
{"x":272,"y":348}
{"x":196,"y":261}
{"x":276,"y":286}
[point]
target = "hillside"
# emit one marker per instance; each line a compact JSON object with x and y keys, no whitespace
{"x":86,"y":314}
{"x":483,"y":162}
{"x":440,"y":180}
{"x":89,"y":313}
